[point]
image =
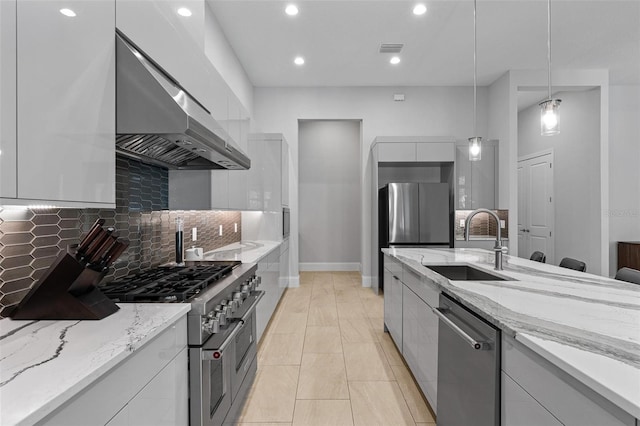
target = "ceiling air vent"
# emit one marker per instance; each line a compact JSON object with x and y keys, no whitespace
{"x":391,"y":47}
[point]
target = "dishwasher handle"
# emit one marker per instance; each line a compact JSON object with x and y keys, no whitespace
{"x":475,"y":344}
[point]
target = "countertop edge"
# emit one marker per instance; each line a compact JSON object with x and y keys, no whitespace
{"x":467,"y":299}
{"x":615,"y":398}
{"x":60,"y":399}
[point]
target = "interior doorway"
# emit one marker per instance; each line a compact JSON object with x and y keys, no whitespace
{"x":535,"y":206}
{"x":330,"y":193}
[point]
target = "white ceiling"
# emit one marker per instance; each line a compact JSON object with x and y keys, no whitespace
{"x":340,"y":40}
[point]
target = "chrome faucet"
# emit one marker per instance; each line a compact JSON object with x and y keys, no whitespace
{"x":498,"y":249}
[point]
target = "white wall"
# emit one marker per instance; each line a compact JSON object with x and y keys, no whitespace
{"x":224,"y":59}
{"x":503,"y":125}
{"x":576,"y":173}
{"x":329,"y":195}
{"x":624,"y":184}
{"x":427,"y":111}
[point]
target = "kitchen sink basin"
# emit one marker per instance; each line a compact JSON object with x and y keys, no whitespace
{"x":463,"y":273}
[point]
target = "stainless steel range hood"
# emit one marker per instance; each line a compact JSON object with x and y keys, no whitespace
{"x":159,"y":122}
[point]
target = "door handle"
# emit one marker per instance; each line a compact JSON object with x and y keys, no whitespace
{"x":475,"y":344}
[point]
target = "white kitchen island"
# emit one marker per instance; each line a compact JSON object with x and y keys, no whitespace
{"x":95,"y":372}
{"x":571,"y":340}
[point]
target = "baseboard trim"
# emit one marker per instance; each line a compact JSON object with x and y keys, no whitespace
{"x":293,"y":282}
{"x":315,"y":267}
{"x":367,"y":281}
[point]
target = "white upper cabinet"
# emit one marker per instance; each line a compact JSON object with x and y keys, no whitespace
{"x":411,"y":149}
{"x":262,"y":187}
{"x":477,"y":181}
{"x":397,"y":152}
{"x":8,"y":141}
{"x":63,"y":96}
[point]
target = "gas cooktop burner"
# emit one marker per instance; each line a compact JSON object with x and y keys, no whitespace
{"x":166,"y":284}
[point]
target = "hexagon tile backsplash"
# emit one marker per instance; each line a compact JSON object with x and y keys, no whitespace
{"x":30,"y":241}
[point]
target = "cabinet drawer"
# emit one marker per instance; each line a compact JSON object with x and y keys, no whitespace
{"x":400,"y":151}
{"x":421,"y":286}
{"x":568,"y":400}
{"x":518,"y":408}
{"x":435,"y":152}
{"x":102,"y":400}
{"x":393,"y":266}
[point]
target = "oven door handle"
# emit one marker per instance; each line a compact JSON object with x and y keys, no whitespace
{"x":252,"y":308}
{"x":208,"y":354}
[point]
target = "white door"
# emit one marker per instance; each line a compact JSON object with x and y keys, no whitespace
{"x":535,"y":206}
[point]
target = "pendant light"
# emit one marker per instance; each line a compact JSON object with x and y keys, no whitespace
{"x":475,"y":142}
{"x":549,"y":118}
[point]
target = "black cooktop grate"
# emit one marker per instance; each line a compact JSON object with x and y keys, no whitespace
{"x":166,"y":284}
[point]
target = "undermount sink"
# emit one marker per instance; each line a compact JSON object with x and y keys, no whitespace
{"x":463,"y":273}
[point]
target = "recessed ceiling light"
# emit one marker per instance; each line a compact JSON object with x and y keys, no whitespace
{"x":183,"y":11}
{"x":419,"y":9}
{"x":291,"y":10}
{"x":68,"y":12}
{"x":394,"y":60}
{"x":299,"y":60}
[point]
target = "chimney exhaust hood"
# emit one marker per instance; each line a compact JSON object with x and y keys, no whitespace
{"x":159,"y":122}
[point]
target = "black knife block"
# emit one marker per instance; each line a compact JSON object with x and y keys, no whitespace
{"x":67,"y":291}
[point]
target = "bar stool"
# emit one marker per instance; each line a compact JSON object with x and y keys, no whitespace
{"x":629,"y":275}
{"x":538,"y":256}
{"x":574,"y":264}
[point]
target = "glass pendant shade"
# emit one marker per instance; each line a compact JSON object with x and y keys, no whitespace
{"x":475,"y":148}
{"x":549,"y":117}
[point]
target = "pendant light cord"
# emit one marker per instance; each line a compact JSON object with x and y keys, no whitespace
{"x":549,"y":42}
{"x":475,"y":71}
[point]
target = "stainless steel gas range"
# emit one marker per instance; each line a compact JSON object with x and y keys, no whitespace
{"x":221,"y":329}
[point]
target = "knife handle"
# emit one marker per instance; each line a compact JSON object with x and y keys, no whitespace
{"x":104,"y":247}
{"x":114,"y":252}
{"x":93,"y":232}
{"x":96,"y":243}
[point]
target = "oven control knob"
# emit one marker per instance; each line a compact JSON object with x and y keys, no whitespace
{"x":222,"y":318}
{"x":227,"y":311}
{"x":233,"y":305}
{"x":258,"y":281}
{"x":211,"y":325}
{"x":237,"y":297}
{"x":246,"y":289}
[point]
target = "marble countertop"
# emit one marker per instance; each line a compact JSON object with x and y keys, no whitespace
{"x":43,"y":364}
{"x":587,"y":325}
{"x":244,"y":251}
{"x":480,"y":238}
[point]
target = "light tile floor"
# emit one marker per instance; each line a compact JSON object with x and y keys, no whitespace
{"x":325,"y":360}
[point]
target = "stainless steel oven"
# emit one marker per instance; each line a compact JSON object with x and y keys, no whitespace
{"x":221,"y":366}
{"x":221,"y":329}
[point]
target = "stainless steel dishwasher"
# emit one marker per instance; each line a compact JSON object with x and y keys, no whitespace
{"x":468,"y":367}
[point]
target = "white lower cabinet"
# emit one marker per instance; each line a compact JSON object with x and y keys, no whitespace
{"x":420,"y":343}
{"x":562,"y":396}
{"x":147,"y":388}
{"x":393,"y":306}
{"x":408,"y":299}
{"x":269,"y":271}
{"x":163,"y":401}
{"x":521,"y":409}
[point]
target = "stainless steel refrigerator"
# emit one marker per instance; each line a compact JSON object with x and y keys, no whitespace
{"x":414,"y":214}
